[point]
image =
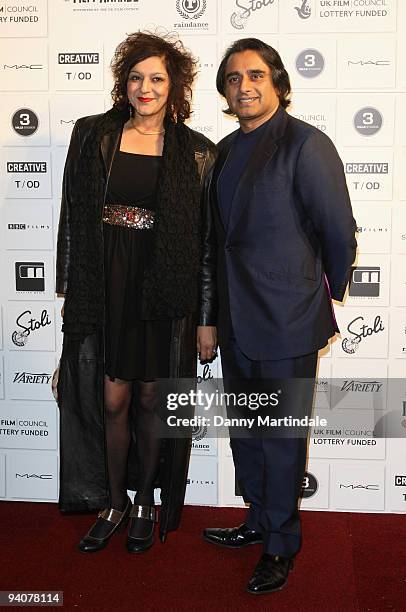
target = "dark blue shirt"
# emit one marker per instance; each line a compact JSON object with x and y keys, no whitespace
{"x":241,"y":151}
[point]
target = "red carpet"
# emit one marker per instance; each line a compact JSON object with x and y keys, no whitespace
{"x":349,"y":562}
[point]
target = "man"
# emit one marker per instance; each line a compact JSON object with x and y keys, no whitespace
{"x":278,"y":245}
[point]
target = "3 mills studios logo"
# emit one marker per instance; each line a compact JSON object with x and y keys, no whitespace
{"x":310,"y":63}
{"x":246,"y":8}
{"x":310,"y":486}
{"x":25,"y":122}
{"x":368,"y":121}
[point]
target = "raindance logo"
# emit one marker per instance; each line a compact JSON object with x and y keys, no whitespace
{"x":239,"y":18}
{"x":310,"y":63}
{"x":304,"y":11}
{"x":368,"y":121}
{"x":25,"y":122}
{"x":191,"y":9}
{"x":359,"y":332}
{"x":199,"y":432}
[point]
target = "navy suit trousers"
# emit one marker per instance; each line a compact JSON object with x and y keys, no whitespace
{"x":270,"y":470}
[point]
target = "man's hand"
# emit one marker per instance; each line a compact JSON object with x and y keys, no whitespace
{"x":206,"y":342}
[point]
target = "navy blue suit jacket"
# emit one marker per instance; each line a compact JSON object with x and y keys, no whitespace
{"x":288,"y":247}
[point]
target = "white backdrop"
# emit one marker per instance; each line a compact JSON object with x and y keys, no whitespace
{"x":346,"y":63}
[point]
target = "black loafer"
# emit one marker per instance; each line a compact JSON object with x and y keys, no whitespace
{"x":148,"y":513}
{"x":118,"y":521}
{"x":234,"y":537}
{"x":271,"y":574}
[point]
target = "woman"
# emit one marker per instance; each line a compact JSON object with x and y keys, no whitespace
{"x":127,"y":263}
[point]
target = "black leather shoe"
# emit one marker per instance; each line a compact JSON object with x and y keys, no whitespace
{"x":145,"y":513}
{"x":118,"y":521}
{"x":234,"y":537}
{"x":270,"y":574}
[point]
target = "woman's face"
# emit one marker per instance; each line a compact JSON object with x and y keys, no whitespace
{"x":148,"y":87}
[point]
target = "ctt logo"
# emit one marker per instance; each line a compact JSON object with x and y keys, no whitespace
{"x":25,"y":122}
{"x":30,"y":276}
{"x":304,"y":10}
{"x":191,"y":9}
{"x":239,"y":18}
{"x":310,"y":486}
{"x":365,"y":281}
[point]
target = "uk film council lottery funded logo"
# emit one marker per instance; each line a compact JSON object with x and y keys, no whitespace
{"x":27,"y":325}
{"x":358,"y":331}
{"x":239,"y":18}
{"x":368,"y":121}
{"x":191,"y":9}
{"x":25,"y":122}
{"x":304,"y":10}
{"x":310,"y":63}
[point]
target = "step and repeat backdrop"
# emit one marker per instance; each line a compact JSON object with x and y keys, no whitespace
{"x":346,"y":63}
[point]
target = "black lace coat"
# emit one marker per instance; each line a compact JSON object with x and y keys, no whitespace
{"x":83,"y":461}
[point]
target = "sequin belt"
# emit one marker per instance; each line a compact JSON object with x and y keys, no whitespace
{"x":128,"y":216}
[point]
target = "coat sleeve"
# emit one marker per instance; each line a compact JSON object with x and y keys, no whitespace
{"x":208,"y":280}
{"x":320,"y":182}
{"x":63,"y":243}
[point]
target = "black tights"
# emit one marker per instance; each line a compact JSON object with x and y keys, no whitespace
{"x":117,"y":400}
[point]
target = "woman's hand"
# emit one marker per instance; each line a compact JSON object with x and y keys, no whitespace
{"x":206,"y":342}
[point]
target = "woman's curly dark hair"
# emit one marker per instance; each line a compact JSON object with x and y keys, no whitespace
{"x":179,"y":62}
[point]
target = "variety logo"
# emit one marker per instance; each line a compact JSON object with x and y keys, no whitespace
{"x":78,"y":58}
{"x":310,"y":485}
{"x":30,"y":276}
{"x":32,"y":379}
{"x":359,"y":331}
{"x":28,"y":325}
{"x":304,"y":11}
{"x":25,"y":122}
{"x":239,"y":18}
{"x":191,"y":9}
{"x":363,"y":386}
{"x":365,"y":281}
{"x":310,"y":63}
{"x":368,"y":121}
{"x":364,"y":487}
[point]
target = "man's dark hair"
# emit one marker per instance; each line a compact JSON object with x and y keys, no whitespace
{"x":270,"y":56}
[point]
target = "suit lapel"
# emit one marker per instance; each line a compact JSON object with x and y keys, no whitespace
{"x":261,"y":156}
{"x":108,"y":146}
{"x":220,"y":163}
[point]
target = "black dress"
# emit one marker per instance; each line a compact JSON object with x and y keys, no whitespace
{"x":134,"y":349}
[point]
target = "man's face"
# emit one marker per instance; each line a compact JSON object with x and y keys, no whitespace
{"x":249,"y":90}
